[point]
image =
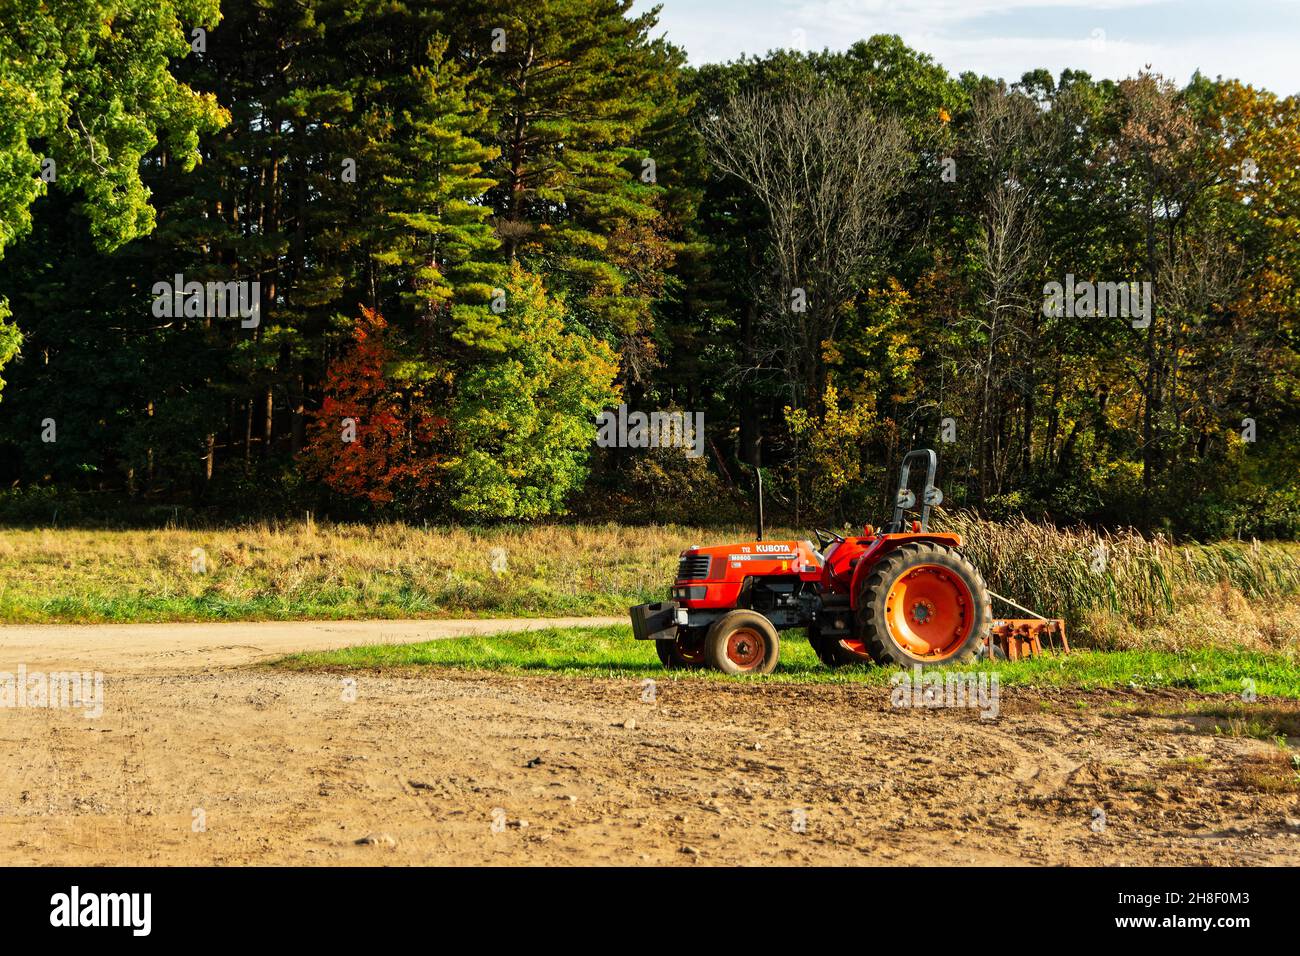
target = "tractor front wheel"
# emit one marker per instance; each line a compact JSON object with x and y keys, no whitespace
{"x":924,"y":604}
{"x":742,"y":642}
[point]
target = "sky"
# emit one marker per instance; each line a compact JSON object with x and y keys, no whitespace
{"x":1255,"y":41}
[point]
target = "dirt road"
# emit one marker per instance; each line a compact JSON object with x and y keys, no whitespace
{"x":202,"y":756}
{"x":154,"y":647}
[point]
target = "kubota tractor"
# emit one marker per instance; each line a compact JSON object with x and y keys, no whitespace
{"x":900,"y":596}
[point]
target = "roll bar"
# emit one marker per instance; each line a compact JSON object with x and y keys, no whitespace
{"x":906,"y":499}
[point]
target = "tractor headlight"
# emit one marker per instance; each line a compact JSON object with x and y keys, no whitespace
{"x":696,"y":593}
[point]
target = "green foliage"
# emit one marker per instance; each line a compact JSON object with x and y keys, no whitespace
{"x":478,"y":153}
{"x":85,"y":90}
{"x":120,"y":388}
{"x":525,"y":419}
{"x":662,"y":486}
{"x":577,"y":88}
{"x":832,"y":461}
{"x":415,"y":134}
{"x":88,"y":84}
{"x":10,"y":338}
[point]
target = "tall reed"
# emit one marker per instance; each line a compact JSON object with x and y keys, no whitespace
{"x":1075,"y":572}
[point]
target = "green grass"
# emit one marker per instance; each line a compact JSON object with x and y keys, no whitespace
{"x":611,"y":652}
{"x":1147,"y":595}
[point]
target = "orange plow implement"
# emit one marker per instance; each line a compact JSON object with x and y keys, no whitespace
{"x":1018,"y":638}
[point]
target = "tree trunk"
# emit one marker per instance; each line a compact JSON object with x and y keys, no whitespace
{"x":266,"y":430}
{"x":298,"y":426}
{"x":1151,"y":404}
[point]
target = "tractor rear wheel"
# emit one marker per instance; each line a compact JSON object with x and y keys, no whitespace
{"x":742,"y":642}
{"x":684,"y":653}
{"x":924,"y":604}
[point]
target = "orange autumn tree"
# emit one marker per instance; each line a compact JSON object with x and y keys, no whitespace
{"x":378,"y":436}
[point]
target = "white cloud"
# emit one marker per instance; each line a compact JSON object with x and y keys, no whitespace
{"x":1005,"y":38}
{"x":898,"y":16}
{"x":1011,"y":57}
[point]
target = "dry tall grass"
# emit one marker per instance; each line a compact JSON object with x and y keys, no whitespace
{"x":310,"y":569}
{"x":1147,"y":593}
{"x":1120,"y":589}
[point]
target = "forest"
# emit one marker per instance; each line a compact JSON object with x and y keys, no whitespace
{"x":452,"y":233}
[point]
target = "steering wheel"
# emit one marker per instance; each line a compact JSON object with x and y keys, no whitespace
{"x":825,"y":537}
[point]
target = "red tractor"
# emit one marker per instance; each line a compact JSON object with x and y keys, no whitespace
{"x":901,"y":596}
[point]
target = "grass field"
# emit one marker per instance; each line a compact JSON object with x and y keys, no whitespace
{"x":304,"y":570}
{"x":1144,"y":594}
{"x":611,"y":652}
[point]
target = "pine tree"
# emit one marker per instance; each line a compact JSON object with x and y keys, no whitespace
{"x":414,"y":128}
{"x":578,"y":88}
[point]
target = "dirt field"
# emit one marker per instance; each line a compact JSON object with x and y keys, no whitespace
{"x":201,"y":756}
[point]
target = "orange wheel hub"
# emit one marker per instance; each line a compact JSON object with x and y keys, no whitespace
{"x":746,"y":647}
{"x":930,"y":611}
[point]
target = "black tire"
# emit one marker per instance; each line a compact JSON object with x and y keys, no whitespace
{"x":685,"y":653}
{"x":974,"y":609}
{"x":830,"y":651}
{"x":755,"y":651}
{"x":818,"y":645}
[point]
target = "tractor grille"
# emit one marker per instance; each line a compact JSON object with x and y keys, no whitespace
{"x":693,"y":567}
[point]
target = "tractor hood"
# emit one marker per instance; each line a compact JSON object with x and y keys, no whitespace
{"x":735,"y":561}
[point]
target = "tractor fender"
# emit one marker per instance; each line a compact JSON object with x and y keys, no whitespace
{"x":891,"y":542}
